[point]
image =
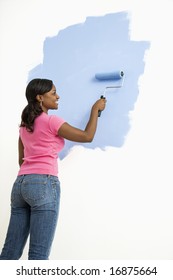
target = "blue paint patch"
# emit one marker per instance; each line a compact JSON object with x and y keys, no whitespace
{"x":71,"y":59}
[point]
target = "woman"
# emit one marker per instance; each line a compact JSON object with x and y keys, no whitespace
{"x":36,"y":191}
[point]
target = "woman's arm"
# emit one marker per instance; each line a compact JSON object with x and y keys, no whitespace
{"x":77,"y":135}
{"x":20,"y":151}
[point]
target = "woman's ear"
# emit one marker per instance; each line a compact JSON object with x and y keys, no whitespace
{"x":39,"y":98}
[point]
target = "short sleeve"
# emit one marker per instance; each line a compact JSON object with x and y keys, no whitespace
{"x":55,"y":123}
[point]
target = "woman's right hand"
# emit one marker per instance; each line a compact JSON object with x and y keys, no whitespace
{"x":99,"y":105}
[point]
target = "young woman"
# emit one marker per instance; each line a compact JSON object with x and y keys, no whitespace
{"x":35,"y":194}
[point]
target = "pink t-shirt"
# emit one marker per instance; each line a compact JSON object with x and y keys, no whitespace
{"x":41,"y":147}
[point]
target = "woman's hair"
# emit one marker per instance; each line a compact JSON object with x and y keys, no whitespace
{"x":33,"y":108}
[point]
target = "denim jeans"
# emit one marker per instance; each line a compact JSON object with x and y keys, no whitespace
{"x":35,"y":202}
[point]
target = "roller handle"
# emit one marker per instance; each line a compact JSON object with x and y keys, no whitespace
{"x":99,"y":112}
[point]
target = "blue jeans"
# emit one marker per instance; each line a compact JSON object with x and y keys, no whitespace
{"x":34,"y":210}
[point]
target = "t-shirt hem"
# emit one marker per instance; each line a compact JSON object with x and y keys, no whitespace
{"x":43,"y":172}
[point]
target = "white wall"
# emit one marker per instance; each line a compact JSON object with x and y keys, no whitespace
{"x":117,"y":203}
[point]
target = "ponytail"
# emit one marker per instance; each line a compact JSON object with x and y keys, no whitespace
{"x":29,"y":114}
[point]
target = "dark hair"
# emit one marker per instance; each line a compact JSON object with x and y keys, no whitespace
{"x":33,"y":109}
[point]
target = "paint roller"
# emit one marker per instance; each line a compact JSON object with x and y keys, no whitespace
{"x":111,"y":76}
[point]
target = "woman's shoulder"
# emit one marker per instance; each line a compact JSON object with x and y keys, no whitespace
{"x":55,"y":122}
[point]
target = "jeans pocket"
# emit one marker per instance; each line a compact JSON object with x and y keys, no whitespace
{"x":34,"y":188}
